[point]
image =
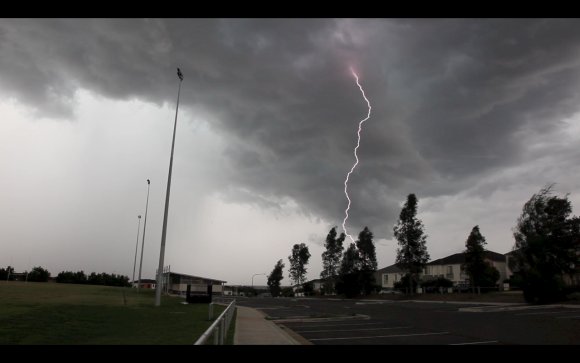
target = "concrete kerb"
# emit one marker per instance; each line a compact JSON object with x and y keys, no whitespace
{"x":310,"y":320}
{"x":510,"y":308}
{"x":446,"y":302}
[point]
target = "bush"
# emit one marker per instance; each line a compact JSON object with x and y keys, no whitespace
{"x":439,"y":282}
{"x":540,"y":289}
{"x":348,"y":285}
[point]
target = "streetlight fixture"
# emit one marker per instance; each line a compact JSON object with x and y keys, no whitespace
{"x":136,"y":246}
{"x":143,"y":243}
{"x":164,"y":232}
{"x":253,"y":280}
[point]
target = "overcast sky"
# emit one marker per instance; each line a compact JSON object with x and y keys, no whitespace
{"x":474,"y":116}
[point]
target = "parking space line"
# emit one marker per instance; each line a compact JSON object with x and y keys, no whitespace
{"x":331,"y":330}
{"x":381,"y":336}
{"x":313,"y":324}
{"x":547,"y":312}
{"x":493,"y":341}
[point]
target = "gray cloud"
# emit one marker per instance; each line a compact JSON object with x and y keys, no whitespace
{"x":450,"y":99}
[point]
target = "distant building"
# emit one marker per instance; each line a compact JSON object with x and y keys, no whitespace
{"x":176,"y":283}
{"x":450,"y":267}
{"x":145,"y":283}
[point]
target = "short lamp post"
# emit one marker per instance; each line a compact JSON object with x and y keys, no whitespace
{"x":253,"y":281}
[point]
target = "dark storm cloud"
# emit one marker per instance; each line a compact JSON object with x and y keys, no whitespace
{"x":449,"y":97}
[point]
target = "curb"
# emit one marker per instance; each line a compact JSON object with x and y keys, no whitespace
{"x":310,"y":320}
{"x":510,"y":308}
{"x":445,"y":302}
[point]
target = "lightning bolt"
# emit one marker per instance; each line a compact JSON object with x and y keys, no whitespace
{"x":355,"y":155}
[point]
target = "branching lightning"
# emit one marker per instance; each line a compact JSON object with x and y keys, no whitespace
{"x":355,"y":155}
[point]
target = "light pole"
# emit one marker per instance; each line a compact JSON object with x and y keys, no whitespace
{"x":136,"y":246}
{"x":143,"y":243}
{"x":253,"y":281}
{"x":164,"y":232}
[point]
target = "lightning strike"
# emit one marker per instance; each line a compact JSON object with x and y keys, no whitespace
{"x":355,"y":155}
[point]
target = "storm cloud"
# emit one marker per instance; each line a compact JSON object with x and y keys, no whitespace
{"x":459,"y":106}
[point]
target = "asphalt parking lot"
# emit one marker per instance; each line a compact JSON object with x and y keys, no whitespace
{"x":360,"y":322}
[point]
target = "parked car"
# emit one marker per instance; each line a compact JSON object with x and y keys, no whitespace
{"x":389,"y":290}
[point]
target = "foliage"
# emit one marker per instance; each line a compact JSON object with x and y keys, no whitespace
{"x":475,"y":264}
{"x":412,"y":255}
{"x":367,"y":260}
{"x":349,"y":285}
{"x":309,"y":289}
{"x":298,"y":261}
{"x":404,"y":283}
{"x":108,"y":280}
{"x":438,"y":282}
{"x":489,"y":277}
{"x":288,"y":292}
{"x":547,"y":244}
{"x":331,"y":259}
{"x":349,"y":263}
{"x":38,"y":274}
{"x":70,"y":277}
{"x":4,"y":273}
{"x":358,"y":265}
{"x":274,"y":279}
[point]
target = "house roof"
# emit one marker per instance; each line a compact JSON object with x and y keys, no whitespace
{"x":459,"y":258}
{"x":389,"y":270}
{"x":197,"y":277}
{"x":456,"y":258}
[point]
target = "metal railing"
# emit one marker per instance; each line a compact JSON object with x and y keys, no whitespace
{"x":220,"y":327}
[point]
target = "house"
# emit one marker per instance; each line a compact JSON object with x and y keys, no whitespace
{"x":386,"y":277}
{"x":451,"y":267}
{"x":317,"y":284}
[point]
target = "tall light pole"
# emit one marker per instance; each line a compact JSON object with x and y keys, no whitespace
{"x":143,"y":243}
{"x":164,"y":232}
{"x":253,"y":281}
{"x":136,"y":246}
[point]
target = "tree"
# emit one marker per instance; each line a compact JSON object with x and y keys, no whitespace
{"x":367,"y":260}
{"x":475,"y":264}
{"x":412,"y":255}
{"x":298,"y":261}
{"x":331,"y":259}
{"x":4,"y":273}
{"x":38,"y":274}
{"x":547,"y":244}
{"x":348,"y":281}
{"x":274,"y":279}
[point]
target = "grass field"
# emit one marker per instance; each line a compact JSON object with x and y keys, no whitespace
{"x":47,"y":313}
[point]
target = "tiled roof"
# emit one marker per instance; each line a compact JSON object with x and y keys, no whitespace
{"x":389,"y":270}
{"x":459,"y":258}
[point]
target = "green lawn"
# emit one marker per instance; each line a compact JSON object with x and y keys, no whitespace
{"x":48,"y":313}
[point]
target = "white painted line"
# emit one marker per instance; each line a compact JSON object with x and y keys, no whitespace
{"x":548,"y":312}
{"x":381,"y":336}
{"x":320,"y":331}
{"x":314,"y":324}
{"x":493,"y":341}
{"x":567,"y":317}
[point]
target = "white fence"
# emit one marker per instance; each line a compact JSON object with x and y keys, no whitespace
{"x":220,"y":327}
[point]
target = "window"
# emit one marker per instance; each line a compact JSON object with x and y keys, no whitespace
{"x":449,"y":269}
{"x":385,"y":279}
